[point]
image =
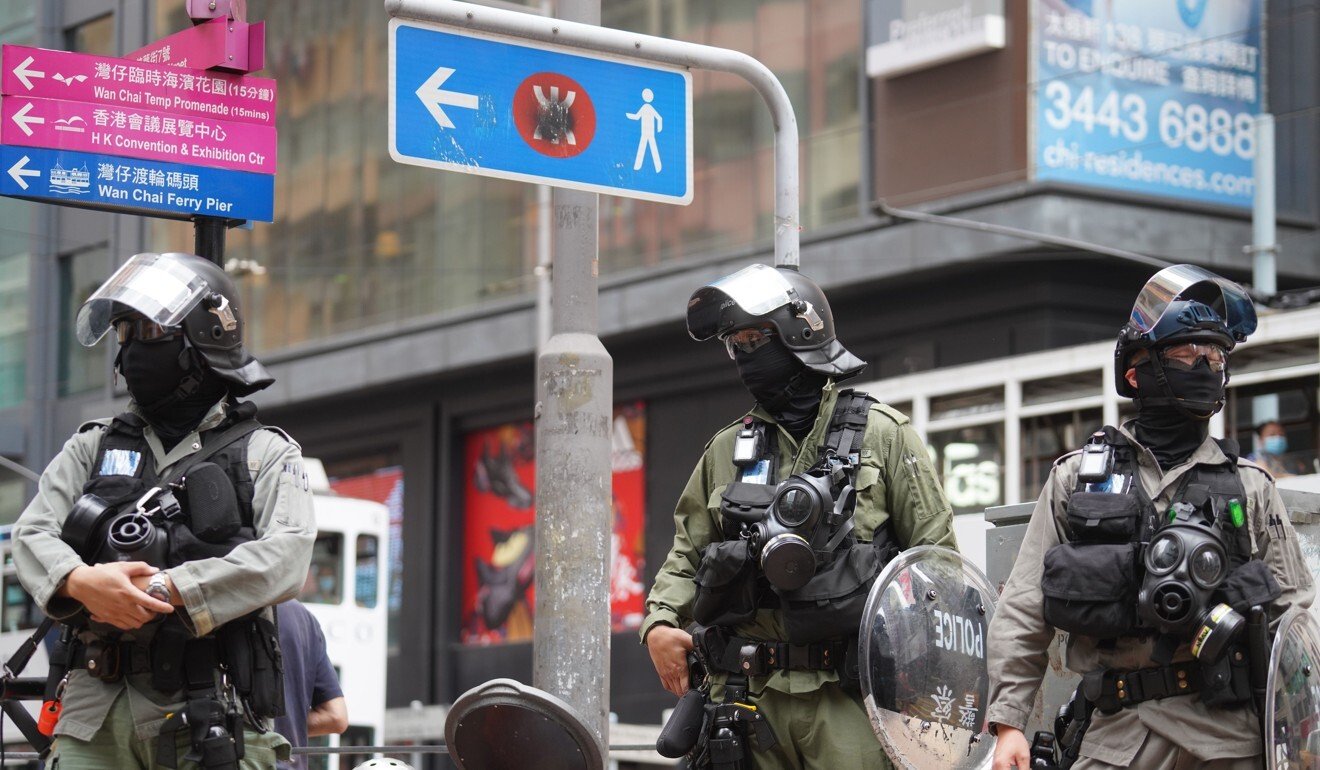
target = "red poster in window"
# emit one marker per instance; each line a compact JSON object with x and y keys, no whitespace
{"x":499,"y":559}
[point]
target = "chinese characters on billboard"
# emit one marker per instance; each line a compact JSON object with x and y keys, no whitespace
{"x":499,"y":554}
{"x":1154,"y":97}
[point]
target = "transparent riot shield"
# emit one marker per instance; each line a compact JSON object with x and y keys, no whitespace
{"x":923,"y":660}
{"x":1292,"y":695}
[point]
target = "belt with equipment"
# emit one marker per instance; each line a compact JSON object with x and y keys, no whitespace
{"x":756,"y":657}
{"x":1111,"y":690}
{"x":111,"y":660}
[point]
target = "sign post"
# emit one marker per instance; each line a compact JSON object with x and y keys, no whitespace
{"x":580,"y":107}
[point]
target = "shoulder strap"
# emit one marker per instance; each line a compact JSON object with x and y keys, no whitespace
{"x":234,"y":432}
{"x":848,"y":423}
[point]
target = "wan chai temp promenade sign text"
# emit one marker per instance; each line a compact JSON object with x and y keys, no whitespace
{"x":136,"y":137}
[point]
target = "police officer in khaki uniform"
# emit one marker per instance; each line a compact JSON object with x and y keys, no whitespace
{"x":133,"y":625}
{"x":778,"y":329}
{"x":1162,"y":553}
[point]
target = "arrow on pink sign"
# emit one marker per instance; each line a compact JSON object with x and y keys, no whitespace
{"x":78,"y":77}
{"x":135,"y":133}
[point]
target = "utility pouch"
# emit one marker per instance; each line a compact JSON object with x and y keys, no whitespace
{"x":831,"y":603}
{"x":726,"y":585}
{"x":1091,"y":588}
{"x":1101,"y":517}
{"x":168,"y":647}
{"x":743,"y":503}
{"x":211,"y":503}
{"x":1226,"y":683}
{"x":267,"y":697}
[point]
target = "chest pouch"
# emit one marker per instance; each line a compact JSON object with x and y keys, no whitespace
{"x":1091,"y":588}
{"x":830,"y":605}
{"x":727,"y":584}
{"x":1102,"y":517}
{"x":743,"y":504}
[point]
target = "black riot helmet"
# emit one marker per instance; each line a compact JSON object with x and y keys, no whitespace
{"x":784,"y":299}
{"x":1180,"y":304}
{"x":185,"y":291}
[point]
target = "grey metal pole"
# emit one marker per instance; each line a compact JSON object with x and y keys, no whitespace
{"x":1264,"y":236}
{"x":571,"y":651}
{"x":654,"y":49}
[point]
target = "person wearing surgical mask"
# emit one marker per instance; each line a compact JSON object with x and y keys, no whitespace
{"x":1272,"y":451}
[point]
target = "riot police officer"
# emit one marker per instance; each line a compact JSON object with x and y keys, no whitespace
{"x":225,"y":504}
{"x":759,"y":569}
{"x":1161,"y":552}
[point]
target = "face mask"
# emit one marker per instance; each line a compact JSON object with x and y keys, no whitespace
{"x":767,"y":373}
{"x":151,"y":369}
{"x":1275,"y":445}
{"x":1198,"y":389}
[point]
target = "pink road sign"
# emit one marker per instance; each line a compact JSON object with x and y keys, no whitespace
{"x":137,"y":133}
{"x":225,"y":43}
{"x":79,"y":77}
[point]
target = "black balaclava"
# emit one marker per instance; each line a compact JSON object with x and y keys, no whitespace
{"x":1170,"y":433}
{"x":171,"y":386}
{"x":783,"y":385}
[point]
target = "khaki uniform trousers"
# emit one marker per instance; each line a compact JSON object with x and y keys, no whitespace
{"x":1160,"y":753}
{"x":825,"y":729}
{"x":117,"y":746}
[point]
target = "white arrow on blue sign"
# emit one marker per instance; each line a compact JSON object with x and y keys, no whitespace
{"x":480,"y":104}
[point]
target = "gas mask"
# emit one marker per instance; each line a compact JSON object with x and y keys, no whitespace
{"x":1185,"y":563}
{"x":809,"y":517}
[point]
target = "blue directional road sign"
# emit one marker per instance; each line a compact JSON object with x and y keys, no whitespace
{"x":479,"y":104}
{"x":134,"y":186}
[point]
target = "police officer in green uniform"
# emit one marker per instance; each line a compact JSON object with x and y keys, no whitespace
{"x":140,"y":656}
{"x":788,"y":653}
{"x":1162,"y":553}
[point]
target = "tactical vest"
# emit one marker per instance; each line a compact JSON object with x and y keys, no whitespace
{"x":248,"y":647}
{"x":1091,"y":583}
{"x":730,"y":586}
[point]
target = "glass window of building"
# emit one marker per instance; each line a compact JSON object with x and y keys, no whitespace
{"x":80,"y":368}
{"x":96,"y":36}
{"x":361,"y":241}
{"x":1048,"y":437}
{"x":970,"y":462}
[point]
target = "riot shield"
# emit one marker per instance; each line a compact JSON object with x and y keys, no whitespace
{"x":1292,"y":694}
{"x":923,"y":660}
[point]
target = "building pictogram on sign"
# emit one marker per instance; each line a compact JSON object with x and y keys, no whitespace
{"x":554,"y":115}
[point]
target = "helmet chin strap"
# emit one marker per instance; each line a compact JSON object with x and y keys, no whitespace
{"x":1184,"y":407}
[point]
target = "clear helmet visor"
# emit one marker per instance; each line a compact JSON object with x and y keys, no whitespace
{"x":756,"y":290}
{"x":162,"y":289}
{"x":1189,"y":282}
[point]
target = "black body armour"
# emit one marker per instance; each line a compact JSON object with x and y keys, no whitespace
{"x":731,"y":586}
{"x":246,"y":648}
{"x":1092,"y":585}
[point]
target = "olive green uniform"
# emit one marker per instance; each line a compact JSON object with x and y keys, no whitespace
{"x":818,"y":725}
{"x":1179,"y":731}
{"x":96,"y":716}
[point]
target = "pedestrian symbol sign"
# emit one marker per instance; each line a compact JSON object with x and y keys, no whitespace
{"x":483,"y":104}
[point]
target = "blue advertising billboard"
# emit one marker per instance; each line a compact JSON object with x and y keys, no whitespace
{"x":1156,"y":97}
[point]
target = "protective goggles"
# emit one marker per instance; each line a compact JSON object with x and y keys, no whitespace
{"x":1185,"y":357}
{"x":143,"y":330}
{"x":747,"y":340}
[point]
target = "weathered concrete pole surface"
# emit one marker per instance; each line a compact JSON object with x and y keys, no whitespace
{"x":571,"y":655}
